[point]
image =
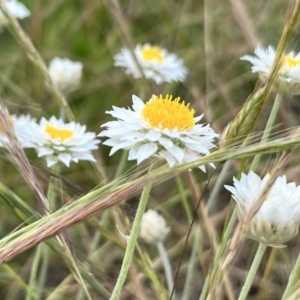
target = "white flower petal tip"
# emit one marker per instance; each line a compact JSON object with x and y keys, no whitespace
{"x":162,"y":127}
{"x":15,"y":9}
{"x":22,"y":125}
{"x":62,"y":142}
{"x":288,"y":81}
{"x":155,"y":63}
{"x":153,"y":227}
{"x":278,"y":218}
{"x":65,"y":74}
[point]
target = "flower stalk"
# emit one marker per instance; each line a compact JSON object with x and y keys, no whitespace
{"x":250,"y":276}
{"x":132,"y":240}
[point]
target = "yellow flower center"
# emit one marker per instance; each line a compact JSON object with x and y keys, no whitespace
{"x":166,"y":113}
{"x":153,"y":53}
{"x":292,"y":62}
{"x":58,"y":134}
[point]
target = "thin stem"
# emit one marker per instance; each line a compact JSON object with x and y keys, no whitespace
{"x":184,"y":198}
{"x":191,"y":267}
{"x":256,"y":261}
{"x":211,"y":279}
{"x":51,"y":195}
{"x":17,"y":279}
{"x":167,"y":266}
{"x":32,"y":293}
{"x":43,"y":269}
{"x":211,"y":202}
{"x":122,"y":164}
{"x":132,"y":240}
{"x":94,"y":244}
{"x":268,"y":128}
{"x":151,"y":273}
{"x":293,"y":279}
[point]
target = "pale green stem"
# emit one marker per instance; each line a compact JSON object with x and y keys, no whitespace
{"x":250,"y":276}
{"x":293,"y":279}
{"x":191,"y":268}
{"x":184,"y":198}
{"x":152,"y":275}
{"x":31,"y":294}
{"x":44,"y":268}
{"x":96,"y":238}
{"x":43,"y":247}
{"x":93,"y":248}
{"x":122,"y":164}
{"x":132,"y":240}
{"x":268,"y":128}
{"x":17,"y":279}
{"x":224,"y":242}
{"x":51,"y":195}
{"x":167,"y":267}
{"x":211,"y":202}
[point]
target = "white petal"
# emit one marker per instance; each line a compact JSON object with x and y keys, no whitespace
{"x":65,"y":158}
{"x":177,"y":153}
{"x":145,"y":151}
{"x":44,"y":151}
{"x":167,"y":143}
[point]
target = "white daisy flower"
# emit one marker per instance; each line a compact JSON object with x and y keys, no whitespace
{"x":65,"y":74}
{"x":155,"y":62}
{"x":14,"y":8}
{"x":57,"y":141}
{"x":162,"y":127}
{"x":153,"y":227}
{"x":288,"y":81}
{"x":278,"y":219}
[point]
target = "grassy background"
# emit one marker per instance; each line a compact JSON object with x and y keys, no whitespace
{"x":210,"y":40}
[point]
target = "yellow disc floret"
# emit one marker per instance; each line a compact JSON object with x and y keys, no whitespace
{"x":166,"y":113}
{"x":58,"y":134}
{"x":152,"y":53}
{"x":292,"y":62}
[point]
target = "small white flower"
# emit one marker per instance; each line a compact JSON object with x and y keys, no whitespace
{"x":278,"y":219}
{"x":65,"y":74}
{"x":58,"y":141}
{"x":155,"y":62}
{"x":162,"y":127}
{"x":15,"y":9}
{"x":288,"y":81}
{"x":153,"y":227}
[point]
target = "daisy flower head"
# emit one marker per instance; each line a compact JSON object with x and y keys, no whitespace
{"x":65,"y":74}
{"x":278,"y":218}
{"x":15,"y":9}
{"x":162,"y":127}
{"x":153,"y":227}
{"x":65,"y":142}
{"x":156,"y":63}
{"x":288,"y":81}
